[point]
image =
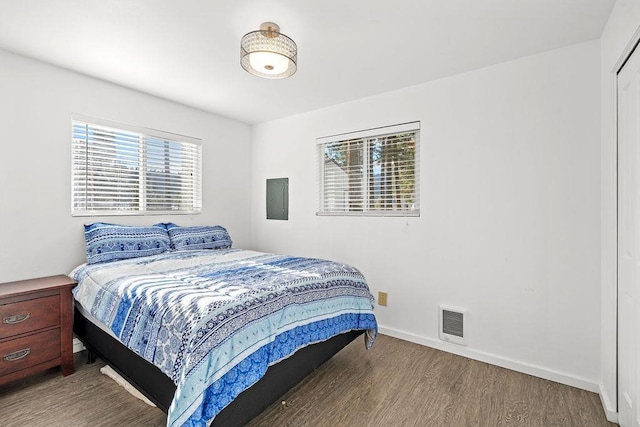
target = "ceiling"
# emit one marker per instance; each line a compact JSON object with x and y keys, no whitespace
{"x":188,"y":51}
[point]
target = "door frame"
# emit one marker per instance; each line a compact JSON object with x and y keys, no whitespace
{"x":609,"y":352}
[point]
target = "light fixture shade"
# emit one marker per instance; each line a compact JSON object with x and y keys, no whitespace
{"x":268,"y":53}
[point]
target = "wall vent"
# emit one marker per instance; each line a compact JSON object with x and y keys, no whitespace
{"x":453,"y":325}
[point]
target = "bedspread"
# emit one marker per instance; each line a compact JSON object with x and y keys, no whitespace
{"x":213,"y":321}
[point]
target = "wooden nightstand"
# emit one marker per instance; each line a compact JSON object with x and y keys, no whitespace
{"x":36,"y":327}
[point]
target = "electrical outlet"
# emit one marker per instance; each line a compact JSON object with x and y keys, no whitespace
{"x":382,"y":298}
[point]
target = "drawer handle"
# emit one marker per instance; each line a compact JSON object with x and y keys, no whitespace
{"x":17,"y":355}
{"x":12,"y":320}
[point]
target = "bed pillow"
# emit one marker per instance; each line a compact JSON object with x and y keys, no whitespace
{"x":198,"y":237}
{"x":111,"y":242}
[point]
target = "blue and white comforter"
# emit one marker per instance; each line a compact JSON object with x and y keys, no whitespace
{"x":213,"y":321}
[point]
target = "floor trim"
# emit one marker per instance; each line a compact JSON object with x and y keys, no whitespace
{"x":492,"y":359}
{"x":609,"y":411}
{"x":77,"y":345}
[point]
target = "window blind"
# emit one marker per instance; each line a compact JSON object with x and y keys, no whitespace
{"x":372,"y":172}
{"x":119,"y":169}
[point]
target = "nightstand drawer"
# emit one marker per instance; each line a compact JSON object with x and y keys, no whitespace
{"x":26,"y":316}
{"x":29,"y":351}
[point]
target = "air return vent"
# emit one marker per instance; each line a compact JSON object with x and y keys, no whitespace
{"x":453,"y":325}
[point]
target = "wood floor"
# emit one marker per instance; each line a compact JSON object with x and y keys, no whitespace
{"x":395,"y":384}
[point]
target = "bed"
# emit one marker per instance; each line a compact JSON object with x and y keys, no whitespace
{"x":215,"y":336}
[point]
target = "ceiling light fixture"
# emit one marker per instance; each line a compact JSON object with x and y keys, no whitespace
{"x":268,"y":53}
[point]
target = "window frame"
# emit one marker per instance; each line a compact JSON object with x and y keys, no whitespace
{"x":366,"y":136}
{"x":143,"y":134}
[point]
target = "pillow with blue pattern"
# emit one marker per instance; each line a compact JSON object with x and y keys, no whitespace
{"x":111,"y":242}
{"x":198,"y":237}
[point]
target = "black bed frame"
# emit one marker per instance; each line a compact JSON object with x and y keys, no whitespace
{"x":159,"y":388}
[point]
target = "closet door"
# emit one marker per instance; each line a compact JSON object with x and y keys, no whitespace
{"x":629,"y":242}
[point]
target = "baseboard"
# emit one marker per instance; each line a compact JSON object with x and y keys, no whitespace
{"x":610,"y":412}
{"x":77,"y":345}
{"x":492,"y":359}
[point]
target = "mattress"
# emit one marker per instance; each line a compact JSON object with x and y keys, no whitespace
{"x":213,"y":321}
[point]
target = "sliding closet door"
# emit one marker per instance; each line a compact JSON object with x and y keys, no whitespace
{"x":629,"y":242}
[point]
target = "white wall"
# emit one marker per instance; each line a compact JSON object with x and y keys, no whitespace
{"x":38,"y":235}
{"x":510,"y":210}
{"x":617,"y":38}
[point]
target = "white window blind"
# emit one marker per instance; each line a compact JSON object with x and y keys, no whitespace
{"x":372,"y":172}
{"x":126,"y":170}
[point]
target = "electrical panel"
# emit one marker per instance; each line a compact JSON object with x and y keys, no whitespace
{"x":278,"y":198}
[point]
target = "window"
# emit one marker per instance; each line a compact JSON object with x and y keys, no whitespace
{"x":373,"y":172}
{"x":124,"y":170}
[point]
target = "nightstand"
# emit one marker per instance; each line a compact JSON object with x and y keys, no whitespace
{"x":36,"y":326}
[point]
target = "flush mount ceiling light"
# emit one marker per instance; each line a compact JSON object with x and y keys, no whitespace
{"x":268,"y":53}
